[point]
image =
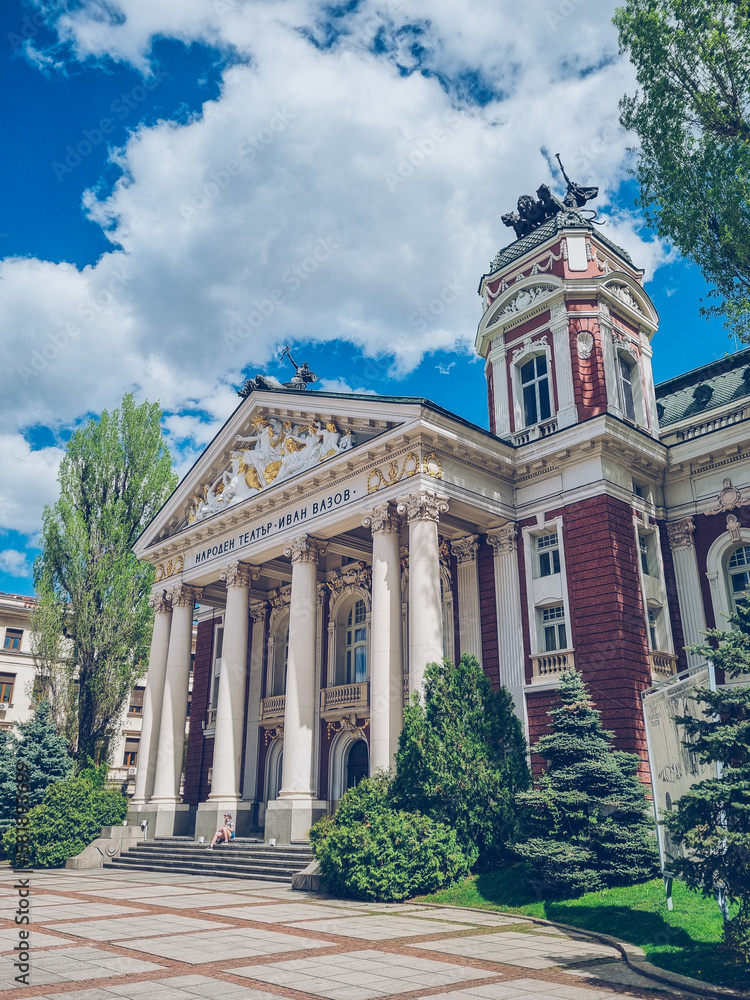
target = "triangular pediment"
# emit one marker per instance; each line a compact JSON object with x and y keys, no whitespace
{"x":271,"y":439}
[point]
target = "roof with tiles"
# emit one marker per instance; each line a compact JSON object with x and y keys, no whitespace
{"x":704,"y":389}
{"x":563,"y":220}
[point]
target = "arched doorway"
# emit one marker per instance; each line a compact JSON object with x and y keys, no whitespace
{"x":357,"y":763}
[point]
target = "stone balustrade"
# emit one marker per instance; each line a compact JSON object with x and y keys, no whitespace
{"x":662,"y":664}
{"x":547,"y":666}
{"x":341,"y":699}
{"x":272,"y":709}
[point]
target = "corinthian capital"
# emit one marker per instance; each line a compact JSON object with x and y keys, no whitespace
{"x":381,"y":518}
{"x":503,"y":539}
{"x":305,"y":549}
{"x":160,"y":602}
{"x":239,"y":574}
{"x":185,"y":596}
{"x":465,"y":549}
{"x":423,"y":507}
{"x":681,"y":533}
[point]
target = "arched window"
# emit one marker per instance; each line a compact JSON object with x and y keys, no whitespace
{"x":535,"y":390}
{"x":357,"y":764}
{"x":739,"y":572}
{"x":356,"y":644}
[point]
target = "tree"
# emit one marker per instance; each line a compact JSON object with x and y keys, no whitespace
{"x":692,"y":116}
{"x":462,"y":758}
{"x":585,"y":826}
{"x":712,"y":820}
{"x":92,"y":630}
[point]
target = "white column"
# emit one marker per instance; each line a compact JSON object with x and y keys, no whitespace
{"x":497,"y":358}
{"x":688,"y":584}
{"x":299,"y":712}
{"x":567,"y":413}
{"x":157,"y":669}
{"x":423,"y":511}
{"x":509,"y":623}
{"x":258,"y":615}
{"x":469,"y":614}
{"x":230,"y":706}
{"x":174,"y":703}
{"x":386,"y":658}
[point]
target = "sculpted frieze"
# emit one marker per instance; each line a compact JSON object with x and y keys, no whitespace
{"x":274,"y":452}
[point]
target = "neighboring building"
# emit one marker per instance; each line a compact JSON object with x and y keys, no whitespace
{"x":16,"y":662}
{"x":338,"y":543}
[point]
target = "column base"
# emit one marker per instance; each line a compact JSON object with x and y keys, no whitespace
{"x":210,"y":818}
{"x":288,"y":821}
{"x":165,"y":819}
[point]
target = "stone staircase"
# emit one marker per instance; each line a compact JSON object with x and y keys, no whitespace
{"x":243,"y":858}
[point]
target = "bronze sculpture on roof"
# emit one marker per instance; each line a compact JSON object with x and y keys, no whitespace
{"x":532,"y":213}
{"x":300,"y":380}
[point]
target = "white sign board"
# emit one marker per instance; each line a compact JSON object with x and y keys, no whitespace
{"x":674,"y":766}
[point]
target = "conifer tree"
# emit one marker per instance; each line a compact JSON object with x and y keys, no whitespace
{"x":587,"y":825}
{"x":462,"y":758}
{"x":712,"y":819}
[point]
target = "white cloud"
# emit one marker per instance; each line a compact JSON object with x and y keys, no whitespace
{"x":14,"y":563}
{"x":29,"y":481}
{"x":324,"y":195}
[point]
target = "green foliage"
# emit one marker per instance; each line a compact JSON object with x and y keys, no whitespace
{"x":692,"y":61}
{"x":462,"y":758}
{"x":586,"y":825}
{"x":45,"y":757}
{"x":368,"y":850}
{"x":92,"y":629}
{"x":712,"y":820}
{"x":68,"y":819}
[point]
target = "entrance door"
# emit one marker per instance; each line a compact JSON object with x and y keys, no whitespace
{"x":358,"y":764}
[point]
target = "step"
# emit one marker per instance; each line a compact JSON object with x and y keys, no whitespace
{"x":212,"y":872}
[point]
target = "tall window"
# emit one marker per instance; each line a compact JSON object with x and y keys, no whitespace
{"x":135,"y":706}
{"x":535,"y":389}
{"x":626,"y":387}
{"x":739,"y":571}
{"x":653,"y":627}
{"x":356,"y":644}
{"x":130,"y":756}
{"x":6,"y":688}
{"x":548,"y":551}
{"x":218,"y":649}
{"x":13,"y":639}
{"x":645,"y":555}
{"x":554,"y":632}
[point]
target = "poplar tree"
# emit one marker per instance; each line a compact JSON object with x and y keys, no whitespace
{"x":92,"y":630}
{"x":712,"y":820}
{"x":588,"y":824}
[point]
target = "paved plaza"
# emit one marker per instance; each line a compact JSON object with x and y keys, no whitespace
{"x":144,"y":936}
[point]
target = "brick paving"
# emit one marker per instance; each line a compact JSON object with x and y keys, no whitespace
{"x":149,"y":936}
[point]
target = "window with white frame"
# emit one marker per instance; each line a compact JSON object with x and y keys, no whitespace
{"x":215,"y":673}
{"x":356,"y":644}
{"x":625,"y":374}
{"x":280,"y":660}
{"x":739,"y":572}
{"x":553,"y":627}
{"x":646,"y":555}
{"x":535,"y":390}
{"x":548,"y":554}
{"x":654,"y":628}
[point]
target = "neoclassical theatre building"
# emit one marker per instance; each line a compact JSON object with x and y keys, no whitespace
{"x":332,"y":545}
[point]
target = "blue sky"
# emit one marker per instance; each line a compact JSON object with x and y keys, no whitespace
{"x":171,"y":165}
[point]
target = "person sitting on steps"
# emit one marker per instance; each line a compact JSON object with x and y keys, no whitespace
{"x":225,"y":834}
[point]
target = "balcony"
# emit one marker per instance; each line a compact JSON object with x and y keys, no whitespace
{"x":547,"y":666}
{"x":663,"y":665}
{"x":341,"y":700}
{"x":272,"y":711}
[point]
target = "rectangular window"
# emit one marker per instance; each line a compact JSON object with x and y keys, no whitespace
{"x":626,"y":388}
{"x":535,"y":390}
{"x":547,"y":547}
{"x":653,"y":627}
{"x":135,"y":707}
{"x":13,"y":638}
{"x":645,"y":555}
{"x":130,"y":757}
{"x":6,"y":688}
{"x":553,"y":628}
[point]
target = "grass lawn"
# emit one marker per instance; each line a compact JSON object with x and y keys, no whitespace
{"x":683,"y":940}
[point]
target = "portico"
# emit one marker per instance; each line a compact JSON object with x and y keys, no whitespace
{"x":321,"y":598}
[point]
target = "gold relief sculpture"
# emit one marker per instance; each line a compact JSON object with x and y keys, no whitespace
{"x":432,"y":466}
{"x":172,"y":568}
{"x":393,"y":473}
{"x":271,"y":471}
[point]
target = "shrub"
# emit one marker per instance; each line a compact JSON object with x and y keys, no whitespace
{"x":586,"y":826}
{"x":69,"y":818}
{"x":462,"y":759}
{"x":369,"y":850}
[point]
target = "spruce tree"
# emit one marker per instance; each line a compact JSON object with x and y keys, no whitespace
{"x":712,"y":820}
{"x":462,"y":758}
{"x":587,"y":824}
